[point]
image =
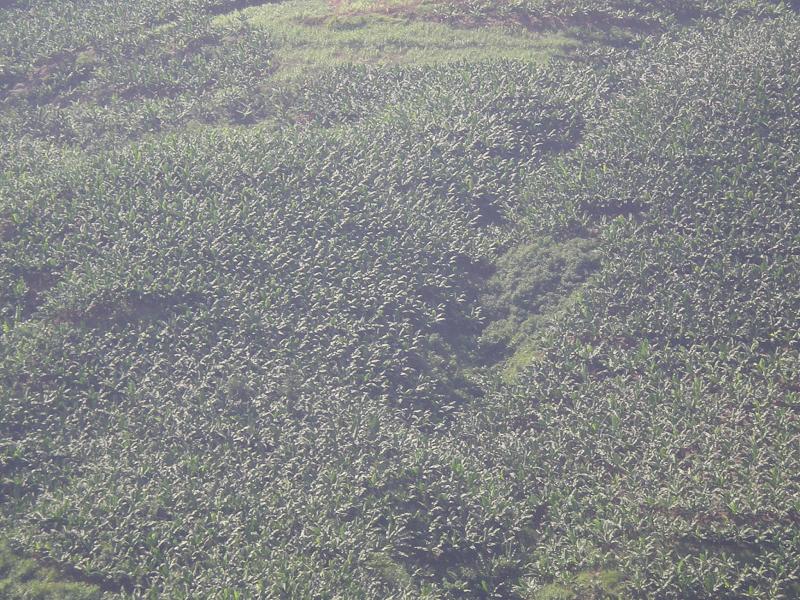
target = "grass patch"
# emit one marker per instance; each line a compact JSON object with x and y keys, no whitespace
{"x":534,"y":283}
{"x":311,"y":34}
{"x":518,"y":362}
{"x":588,"y":585}
{"x":25,"y":578}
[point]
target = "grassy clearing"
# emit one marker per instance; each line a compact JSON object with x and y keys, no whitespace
{"x":22,"y":578}
{"x":312,"y":34}
{"x":588,"y":585}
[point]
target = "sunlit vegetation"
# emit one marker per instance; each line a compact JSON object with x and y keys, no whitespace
{"x":537,"y":14}
{"x":660,"y":412}
{"x":314,"y":34}
{"x":344,"y":300}
{"x":27,"y":578}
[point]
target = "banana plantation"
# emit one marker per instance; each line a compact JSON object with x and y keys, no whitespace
{"x":288,"y":313}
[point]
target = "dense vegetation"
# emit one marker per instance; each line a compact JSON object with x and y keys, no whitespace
{"x":469,"y":329}
{"x":647,"y":14}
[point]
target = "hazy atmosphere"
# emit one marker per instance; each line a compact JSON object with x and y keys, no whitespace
{"x":399,"y":299}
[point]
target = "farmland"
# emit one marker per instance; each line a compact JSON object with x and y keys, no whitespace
{"x":433,"y":299}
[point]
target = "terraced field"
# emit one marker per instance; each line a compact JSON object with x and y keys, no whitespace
{"x":399,"y":300}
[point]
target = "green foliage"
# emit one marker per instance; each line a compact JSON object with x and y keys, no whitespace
{"x":532,"y":283}
{"x":312,"y":35}
{"x":82,"y":75}
{"x":637,"y":14}
{"x":24,"y":579}
{"x":590,"y":585}
{"x":481,"y":329}
{"x":238,"y":302}
{"x":676,"y":369}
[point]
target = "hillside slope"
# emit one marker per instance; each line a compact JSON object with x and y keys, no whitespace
{"x":483,"y":326}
